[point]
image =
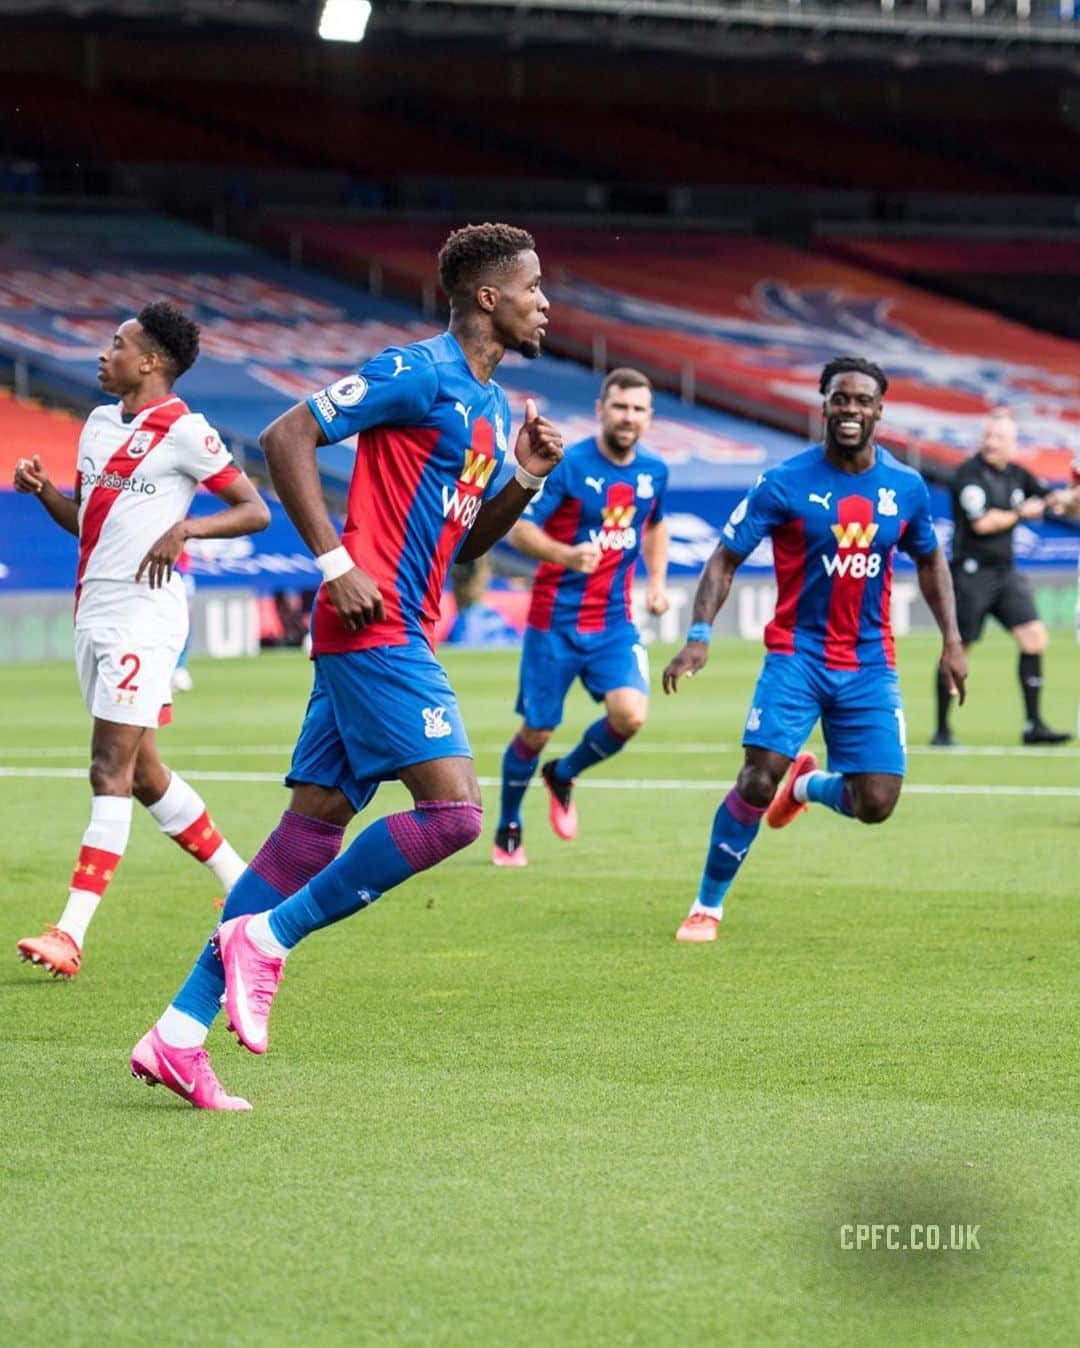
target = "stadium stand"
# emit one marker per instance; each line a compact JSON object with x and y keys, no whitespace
{"x":27,"y":428}
{"x":65,"y":118}
{"x":750,"y":322}
{"x":272,"y":333}
{"x":1033,"y":280}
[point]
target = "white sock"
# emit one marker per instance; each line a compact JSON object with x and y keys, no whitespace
{"x":179,"y":1030}
{"x":263,"y":939}
{"x":228,"y":865}
{"x":698,"y":907}
{"x":178,"y":808}
{"x":108,"y":830}
{"x":798,"y":789}
{"x":80,"y":908}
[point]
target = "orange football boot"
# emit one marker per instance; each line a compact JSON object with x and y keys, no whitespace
{"x":699,"y":926}
{"x":784,"y":806}
{"x":54,"y":950}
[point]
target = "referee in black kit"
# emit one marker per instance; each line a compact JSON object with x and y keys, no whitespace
{"x":990,"y":496}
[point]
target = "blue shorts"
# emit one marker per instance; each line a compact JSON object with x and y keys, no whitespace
{"x":551,"y":661}
{"x":373,"y":713}
{"x":862,"y":718}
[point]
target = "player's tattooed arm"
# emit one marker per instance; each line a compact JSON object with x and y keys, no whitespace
{"x":538,"y":449}
{"x":32,"y":477}
{"x":712,"y":592}
{"x":290,"y":444}
{"x":936,"y":585}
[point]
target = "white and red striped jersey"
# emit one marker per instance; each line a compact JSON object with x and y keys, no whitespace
{"x":136,"y":479}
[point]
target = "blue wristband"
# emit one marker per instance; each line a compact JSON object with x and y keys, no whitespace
{"x":700,"y":632}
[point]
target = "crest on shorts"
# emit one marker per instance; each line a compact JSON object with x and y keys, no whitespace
{"x":436,"y":726}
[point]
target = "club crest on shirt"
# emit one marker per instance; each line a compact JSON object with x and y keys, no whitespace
{"x":645,"y":486}
{"x":140,"y":443}
{"x":349,"y":391}
{"x":886,"y":501}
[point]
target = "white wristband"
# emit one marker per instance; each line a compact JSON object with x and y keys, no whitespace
{"x":527,"y":480}
{"x":334,"y":563}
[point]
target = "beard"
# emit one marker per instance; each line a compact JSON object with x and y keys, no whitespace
{"x":529,"y":349}
{"x":848,"y":451}
{"x":616,"y":448}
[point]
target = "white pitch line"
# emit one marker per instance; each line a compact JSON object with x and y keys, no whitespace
{"x":593,"y":783}
{"x":669,"y":750}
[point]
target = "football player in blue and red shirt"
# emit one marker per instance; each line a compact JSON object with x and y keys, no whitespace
{"x":599,"y":510}
{"x":835,"y":514}
{"x":433,"y":431}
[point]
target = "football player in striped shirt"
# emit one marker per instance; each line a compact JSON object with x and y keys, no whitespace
{"x":433,"y":429}
{"x":836,"y":513}
{"x":601,"y":509}
{"x":141,"y":460}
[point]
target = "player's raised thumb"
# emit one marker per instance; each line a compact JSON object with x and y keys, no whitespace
{"x":530,"y":410}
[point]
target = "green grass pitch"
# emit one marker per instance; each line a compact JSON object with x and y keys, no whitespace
{"x":506,"y":1108}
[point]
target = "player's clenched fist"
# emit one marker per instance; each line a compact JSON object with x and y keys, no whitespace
{"x":583,"y":557}
{"x":30,"y":475}
{"x":539,"y":445}
{"x":693,"y":656}
{"x":357,"y":599}
{"x":656,"y":600}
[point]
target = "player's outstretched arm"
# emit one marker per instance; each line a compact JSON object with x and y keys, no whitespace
{"x":290,"y":444}
{"x":936,"y":585}
{"x":246,"y":513}
{"x":712,"y":592}
{"x":538,"y":450}
{"x":31,"y":476}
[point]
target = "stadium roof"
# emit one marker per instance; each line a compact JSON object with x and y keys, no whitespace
{"x":907,"y":33}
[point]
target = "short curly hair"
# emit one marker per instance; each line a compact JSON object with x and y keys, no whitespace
{"x":171,"y":333}
{"x":477,"y":251}
{"x":852,"y":365}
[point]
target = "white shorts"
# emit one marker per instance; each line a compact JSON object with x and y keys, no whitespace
{"x":125,"y":668}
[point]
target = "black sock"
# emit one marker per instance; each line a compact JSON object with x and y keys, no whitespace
{"x":1031,"y":683}
{"x":942,"y":704}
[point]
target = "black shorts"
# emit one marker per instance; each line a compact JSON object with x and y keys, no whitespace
{"x":1002,"y":594}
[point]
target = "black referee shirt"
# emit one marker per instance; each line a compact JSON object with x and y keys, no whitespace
{"x":977,"y":488}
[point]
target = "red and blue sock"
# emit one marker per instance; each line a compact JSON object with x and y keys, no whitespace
{"x":298,"y":849}
{"x":735,"y":826}
{"x":518,"y":769}
{"x":829,"y":788}
{"x":386,"y":853}
{"x":600,"y":741}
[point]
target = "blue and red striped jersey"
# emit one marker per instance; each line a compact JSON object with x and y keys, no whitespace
{"x":431,"y":441}
{"x":587,"y":498}
{"x":833,"y":538}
